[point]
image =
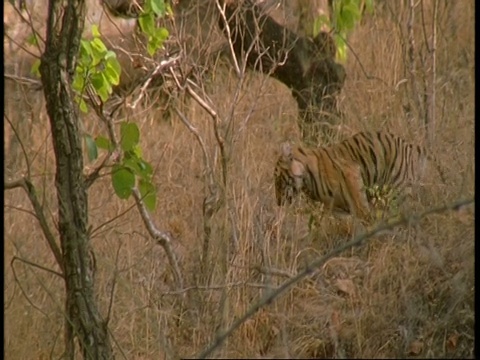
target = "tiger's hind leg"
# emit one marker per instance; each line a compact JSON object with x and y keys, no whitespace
{"x":357,"y":197}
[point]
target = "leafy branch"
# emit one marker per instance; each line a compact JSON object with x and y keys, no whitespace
{"x":344,"y":16}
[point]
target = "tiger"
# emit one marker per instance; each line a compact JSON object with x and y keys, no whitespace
{"x":341,"y":174}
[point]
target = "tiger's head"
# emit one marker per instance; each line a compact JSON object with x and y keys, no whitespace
{"x":289,"y":174}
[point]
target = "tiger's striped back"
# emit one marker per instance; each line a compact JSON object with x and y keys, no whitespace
{"x":340,"y":174}
{"x":385,"y":159}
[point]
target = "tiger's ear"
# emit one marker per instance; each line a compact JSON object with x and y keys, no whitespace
{"x":296,"y":167}
{"x":286,"y":150}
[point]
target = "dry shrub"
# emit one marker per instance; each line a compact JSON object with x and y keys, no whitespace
{"x":407,"y":293}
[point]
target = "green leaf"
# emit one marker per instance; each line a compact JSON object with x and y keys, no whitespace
{"x":98,"y":45}
{"x":82,"y":105}
{"x":107,"y":84}
{"x":137,"y":150}
{"x":78,"y":80}
{"x":32,"y":40}
{"x":341,"y":48}
{"x":310,"y":222}
{"x":112,"y":61}
{"x":138,"y":165}
{"x":98,"y":51}
{"x":110,"y":55}
{"x":85,"y":53}
{"x":147,"y":23}
{"x":35,"y":70}
{"x":162,"y":34}
{"x":369,"y":6}
{"x":103,"y":143}
{"x":169,"y":10}
{"x":146,"y":170}
{"x":133,"y":164}
{"x":158,"y":7}
{"x":97,"y":81}
{"x":123,"y":181}
{"x":149,"y":194}
{"x":95,"y":30}
{"x":91,"y":148}
{"x":130,"y":135}
{"x":319,"y":22}
{"x":349,"y":14}
{"x":112,"y":72}
{"x":151,"y":47}
{"x":101,"y":85}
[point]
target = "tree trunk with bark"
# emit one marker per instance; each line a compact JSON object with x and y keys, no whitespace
{"x":83,"y":320}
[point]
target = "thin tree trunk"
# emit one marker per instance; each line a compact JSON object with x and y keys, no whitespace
{"x":431,"y":94}
{"x":83,"y":321}
{"x":411,"y":60}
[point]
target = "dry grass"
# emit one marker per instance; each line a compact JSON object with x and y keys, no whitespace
{"x":406,"y":294}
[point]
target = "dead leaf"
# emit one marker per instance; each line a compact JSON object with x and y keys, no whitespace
{"x":342,"y":267}
{"x":464,"y":215}
{"x":345,"y":286}
{"x":452,"y":342}
{"x":335,"y":320}
{"x":415,"y":347}
{"x":335,"y":324}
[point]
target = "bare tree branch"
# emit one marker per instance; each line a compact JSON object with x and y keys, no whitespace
{"x":26,"y":185}
{"x":29,"y":22}
{"x":24,"y":81}
{"x":36,"y":266}
{"x":411,"y":59}
{"x":268,"y":298}
{"x":430,"y":119}
{"x":161,"y":237}
{"x":221,"y":9}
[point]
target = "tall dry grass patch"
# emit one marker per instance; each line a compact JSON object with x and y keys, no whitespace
{"x":407,"y":293}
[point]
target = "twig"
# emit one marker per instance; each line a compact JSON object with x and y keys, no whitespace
{"x":30,"y":190}
{"x":164,"y":64}
{"x":215,"y":287}
{"x":17,"y":135}
{"x":106,"y":119}
{"x":114,"y":154}
{"x":29,"y":22}
{"x":22,"y":47}
{"x":21,"y":287}
{"x":430,"y":118}
{"x":273,"y":271}
{"x":219,"y":138}
{"x":212,"y":200}
{"x":24,"y":80}
{"x":161,"y":237}
{"x":215,"y":199}
{"x":195,"y":132}
{"x":95,"y":174}
{"x":114,"y":283}
{"x":359,"y":240}
{"x":411,"y":58}
{"x":227,"y":29}
{"x":359,"y":62}
{"x":93,"y":231}
{"x":37,"y":266}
